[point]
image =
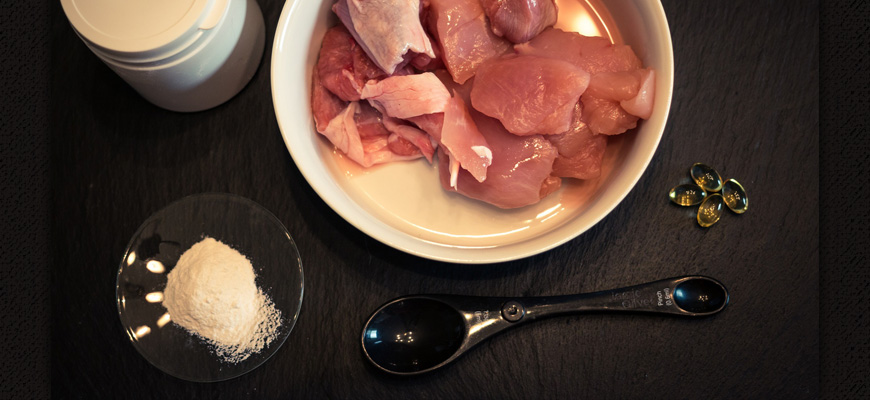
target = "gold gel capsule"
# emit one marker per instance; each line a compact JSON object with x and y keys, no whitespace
{"x":710,"y":210}
{"x":735,"y":196}
{"x":687,"y":194}
{"x":706,"y":177}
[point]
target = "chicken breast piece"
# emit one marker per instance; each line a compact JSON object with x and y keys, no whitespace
{"x":528,"y":94}
{"x":520,"y":20}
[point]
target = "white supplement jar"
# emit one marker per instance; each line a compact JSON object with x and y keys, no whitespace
{"x":182,"y":55}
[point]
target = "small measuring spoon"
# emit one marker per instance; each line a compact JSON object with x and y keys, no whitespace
{"x":415,"y":334}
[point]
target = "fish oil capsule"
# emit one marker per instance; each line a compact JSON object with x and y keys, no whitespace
{"x":710,"y":210}
{"x":706,"y":177}
{"x":735,"y":196}
{"x":687,"y":194}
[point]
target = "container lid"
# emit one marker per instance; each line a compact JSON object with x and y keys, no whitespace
{"x":141,"y":28}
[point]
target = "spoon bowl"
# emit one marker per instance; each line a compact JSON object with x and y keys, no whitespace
{"x":413,"y":334}
{"x":416,"y":334}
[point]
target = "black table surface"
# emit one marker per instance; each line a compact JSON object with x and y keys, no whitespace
{"x":745,"y":101}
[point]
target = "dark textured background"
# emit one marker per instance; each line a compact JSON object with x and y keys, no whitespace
{"x":746,"y":101}
{"x":25,"y":202}
{"x":845,"y":225}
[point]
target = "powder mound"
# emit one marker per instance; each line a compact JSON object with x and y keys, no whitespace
{"x":212,"y":293}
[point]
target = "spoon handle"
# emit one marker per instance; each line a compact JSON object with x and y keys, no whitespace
{"x":654,"y":297}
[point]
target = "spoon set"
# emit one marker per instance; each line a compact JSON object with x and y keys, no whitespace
{"x":416,"y":334}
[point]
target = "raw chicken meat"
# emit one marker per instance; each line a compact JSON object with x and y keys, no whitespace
{"x":403,"y":139}
{"x":528,"y":94}
{"x":616,"y":86}
{"x":641,"y":105}
{"x":519,"y":20}
{"x":430,"y":123}
{"x":516,"y":123}
{"x":409,"y":95}
{"x":324,"y":105}
{"x":606,"y":116}
{"x":356,"y":129}
{"x":615,"y":100}
{"x":459,"y":134}
{"x":602,"y":98}
{"x":399,"y":146}
{"x":616,"y":77}
{"x":342,"y":132}
{"x":389,"y":31}
{"x":593,"y":54}
{"x":462,"y":31}
{"x":366,"y":151}
{"x":583,"y":165}
{"x":580,"y":151}
{"x":369,"y":122}
{"x":423,"y":62}
{"x":416,"y":137}
{"x":520,"y":171}
{"x":374,"y":133}
{"x":343,"y":66}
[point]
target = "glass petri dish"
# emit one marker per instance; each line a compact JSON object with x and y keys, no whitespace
{"x":155,"y":249}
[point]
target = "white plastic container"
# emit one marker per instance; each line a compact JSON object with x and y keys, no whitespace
{"x":182,"y":55}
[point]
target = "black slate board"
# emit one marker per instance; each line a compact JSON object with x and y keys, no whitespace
{"x":744,"y":102}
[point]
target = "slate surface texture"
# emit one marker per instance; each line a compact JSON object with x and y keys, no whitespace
{"x":745,"y":101}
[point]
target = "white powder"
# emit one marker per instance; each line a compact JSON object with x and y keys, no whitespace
{"x":211,"y":293}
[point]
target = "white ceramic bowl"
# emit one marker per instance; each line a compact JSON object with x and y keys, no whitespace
{"x":403,"y":205}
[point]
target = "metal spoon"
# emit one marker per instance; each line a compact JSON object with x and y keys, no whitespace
{"x":416,"y":334}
